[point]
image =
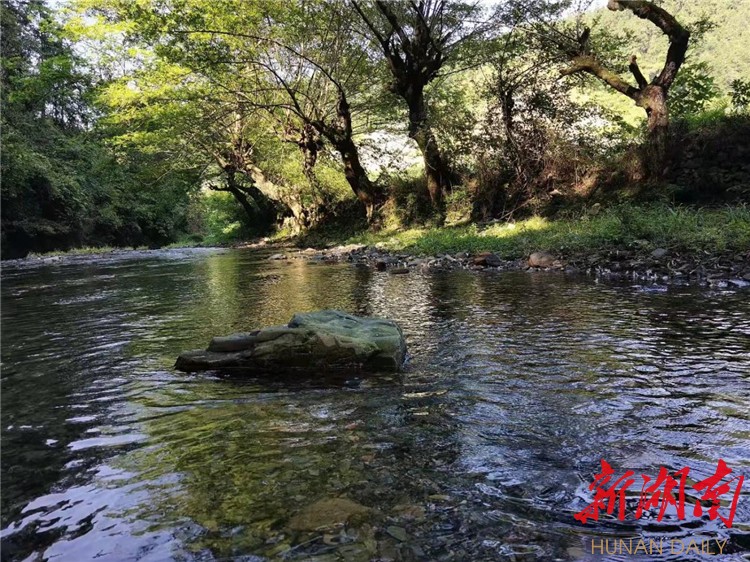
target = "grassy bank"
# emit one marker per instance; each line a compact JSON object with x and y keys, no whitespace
{"x":681,"y":229}
{"x":642,"y":228}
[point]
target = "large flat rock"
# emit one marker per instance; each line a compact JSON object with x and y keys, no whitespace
{"x":326,"y":340}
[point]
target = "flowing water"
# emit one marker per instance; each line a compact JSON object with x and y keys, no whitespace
{"x":516,"y":387}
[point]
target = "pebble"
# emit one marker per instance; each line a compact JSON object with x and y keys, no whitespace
{"x":398,"y":270}
{"x":487,"y":259}
{"x":659,"y":253}
{"x":542,"y":259}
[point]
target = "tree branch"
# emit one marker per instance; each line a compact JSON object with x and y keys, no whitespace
{"x":426,"y":27}
{"x":393,"y":20}
{"x":679,"y":37}
{"x":383,"y":42}
{"x":214,"y":187}
{"x":588,"y":64}
{"x":635,"y":69}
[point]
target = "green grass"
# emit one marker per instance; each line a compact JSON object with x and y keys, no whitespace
{"x":625,"y":226}
{"x":84,"y":251}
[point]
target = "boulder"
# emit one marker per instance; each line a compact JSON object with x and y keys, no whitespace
{"x":326,"y":340}
{"x":487,"y":259}
{"x":542,"y":259}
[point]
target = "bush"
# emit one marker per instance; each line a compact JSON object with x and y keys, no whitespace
{"x":740,"y":94}
{"x":408,"y":201}
{"x":458,"y":205}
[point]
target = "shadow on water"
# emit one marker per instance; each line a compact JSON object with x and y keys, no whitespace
{"x":517,"y":386}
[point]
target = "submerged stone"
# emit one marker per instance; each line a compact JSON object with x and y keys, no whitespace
{"x":327,"y":514}
{"x":315,"y":341}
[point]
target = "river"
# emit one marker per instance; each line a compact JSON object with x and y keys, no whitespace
{"x":516,"y":387}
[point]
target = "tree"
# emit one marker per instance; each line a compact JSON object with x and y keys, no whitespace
{"x":61,"y":184}
{"x":232,"y":149}
{"x":166,"y":110}
{"x":417,"y":40}
{"x":318,"y":67}
{"x":319,"y":99}
{"x":520,"y":71}
{"x":298,"y":63}
{"x":650,"y":95}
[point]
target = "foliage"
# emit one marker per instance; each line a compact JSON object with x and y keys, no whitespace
{"x":244,"y":91}
{"x":535,"y":137}
{"x":409,"y":200}
{"x":219,"y":220}
{"x":693,"y":90}
{"x":62,"y":186}
{"x":740,"y":94}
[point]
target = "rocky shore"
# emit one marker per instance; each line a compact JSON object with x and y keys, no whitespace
{"x":640,"y":264}
{"x":659,"y":266}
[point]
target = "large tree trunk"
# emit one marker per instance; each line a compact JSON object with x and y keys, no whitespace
{"x":260,"y":211}
{"x":308,"y":168}
{"x":310,"y":144}
{"x":435,"y":169}
{"x":340,"y":136}
{"x":241,"y":198}
{"x":654,"y":100}
{"x":357,"y":177}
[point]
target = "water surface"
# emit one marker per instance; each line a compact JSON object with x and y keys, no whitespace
{"x":517,"y":386}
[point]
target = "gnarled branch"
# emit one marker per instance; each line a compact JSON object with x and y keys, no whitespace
{"x":679,"y":37}
{"x":382,"y":40}
{"x":589,"y":64}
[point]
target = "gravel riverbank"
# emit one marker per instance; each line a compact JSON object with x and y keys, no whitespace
{"x":661,"y":266}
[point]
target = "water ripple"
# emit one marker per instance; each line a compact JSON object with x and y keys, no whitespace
{"x":517,"y":386}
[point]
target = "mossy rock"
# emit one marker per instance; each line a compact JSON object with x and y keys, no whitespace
{"x":326,"y":340}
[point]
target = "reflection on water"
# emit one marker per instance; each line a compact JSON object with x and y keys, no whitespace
{"x":517,"y":385}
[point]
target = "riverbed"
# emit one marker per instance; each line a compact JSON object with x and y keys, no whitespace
{"x":517,"y":385}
